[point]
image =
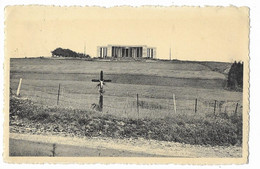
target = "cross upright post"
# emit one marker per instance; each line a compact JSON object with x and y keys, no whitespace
{"x":101,"y":91}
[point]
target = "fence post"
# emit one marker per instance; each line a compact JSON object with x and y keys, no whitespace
{"x":101,"y":102}
{"x":19,"y":87}
{"x":137,"y":105}
{"x":53,"y":151}
{"x":236,"y":110}
{"x":215,"y":107}
{"x":58,"y":95}
{"x":196,"y":102}
{"x":174,"y":102}
{"x":126,"y":105}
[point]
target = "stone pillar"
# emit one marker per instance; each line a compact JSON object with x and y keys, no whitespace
{"x":109,"y":51}
{"x":154,"y":53}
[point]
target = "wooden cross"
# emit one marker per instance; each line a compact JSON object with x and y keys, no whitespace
{"x":101,"y":91}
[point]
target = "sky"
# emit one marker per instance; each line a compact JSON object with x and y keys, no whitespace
{"x":205,"y":34}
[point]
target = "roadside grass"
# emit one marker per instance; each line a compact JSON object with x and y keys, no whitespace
{"x":202,"y":129}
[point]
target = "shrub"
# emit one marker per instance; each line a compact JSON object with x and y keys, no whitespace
{"x":43,"y":116}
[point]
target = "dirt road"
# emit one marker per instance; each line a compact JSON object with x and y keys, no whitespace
{"x":99,"y":146}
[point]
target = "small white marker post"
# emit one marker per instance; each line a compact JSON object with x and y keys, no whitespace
{"x":174,"y":102}
{"x":19,"y":87}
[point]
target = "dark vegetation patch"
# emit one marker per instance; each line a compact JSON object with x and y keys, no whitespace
{"x":201,"y":130}
{"x":59,"y":52}
{"x":235,"y":76}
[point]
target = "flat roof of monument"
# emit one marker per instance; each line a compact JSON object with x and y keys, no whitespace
{"x":127,"y":45}
{"x":109,"y":45}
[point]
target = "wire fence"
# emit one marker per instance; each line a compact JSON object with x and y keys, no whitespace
{"x":134,"y":105}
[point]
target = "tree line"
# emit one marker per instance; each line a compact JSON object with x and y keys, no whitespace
{"x":235,"y":76}
{"x":59,"y":52}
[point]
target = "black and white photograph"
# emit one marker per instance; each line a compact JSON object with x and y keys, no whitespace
{"x":161,"y":84}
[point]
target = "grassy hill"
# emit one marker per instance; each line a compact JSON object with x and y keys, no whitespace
{"x":155,"y":82}
{"x":215,"y":121}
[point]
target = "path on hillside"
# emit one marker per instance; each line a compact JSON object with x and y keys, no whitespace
{"x":132,"y":147}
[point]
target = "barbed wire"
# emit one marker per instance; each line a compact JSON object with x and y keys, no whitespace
{"x":63,"y":89}
{"x":127,"y":102}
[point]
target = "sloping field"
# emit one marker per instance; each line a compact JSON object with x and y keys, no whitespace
{"x":217,"y":66}
{"x":154,"y":82}
{"x":181,"y":70}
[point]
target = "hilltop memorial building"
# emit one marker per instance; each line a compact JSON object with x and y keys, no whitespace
{"x":118,"y":51}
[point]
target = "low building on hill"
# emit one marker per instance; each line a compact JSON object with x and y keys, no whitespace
{"x":119,"y":51}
